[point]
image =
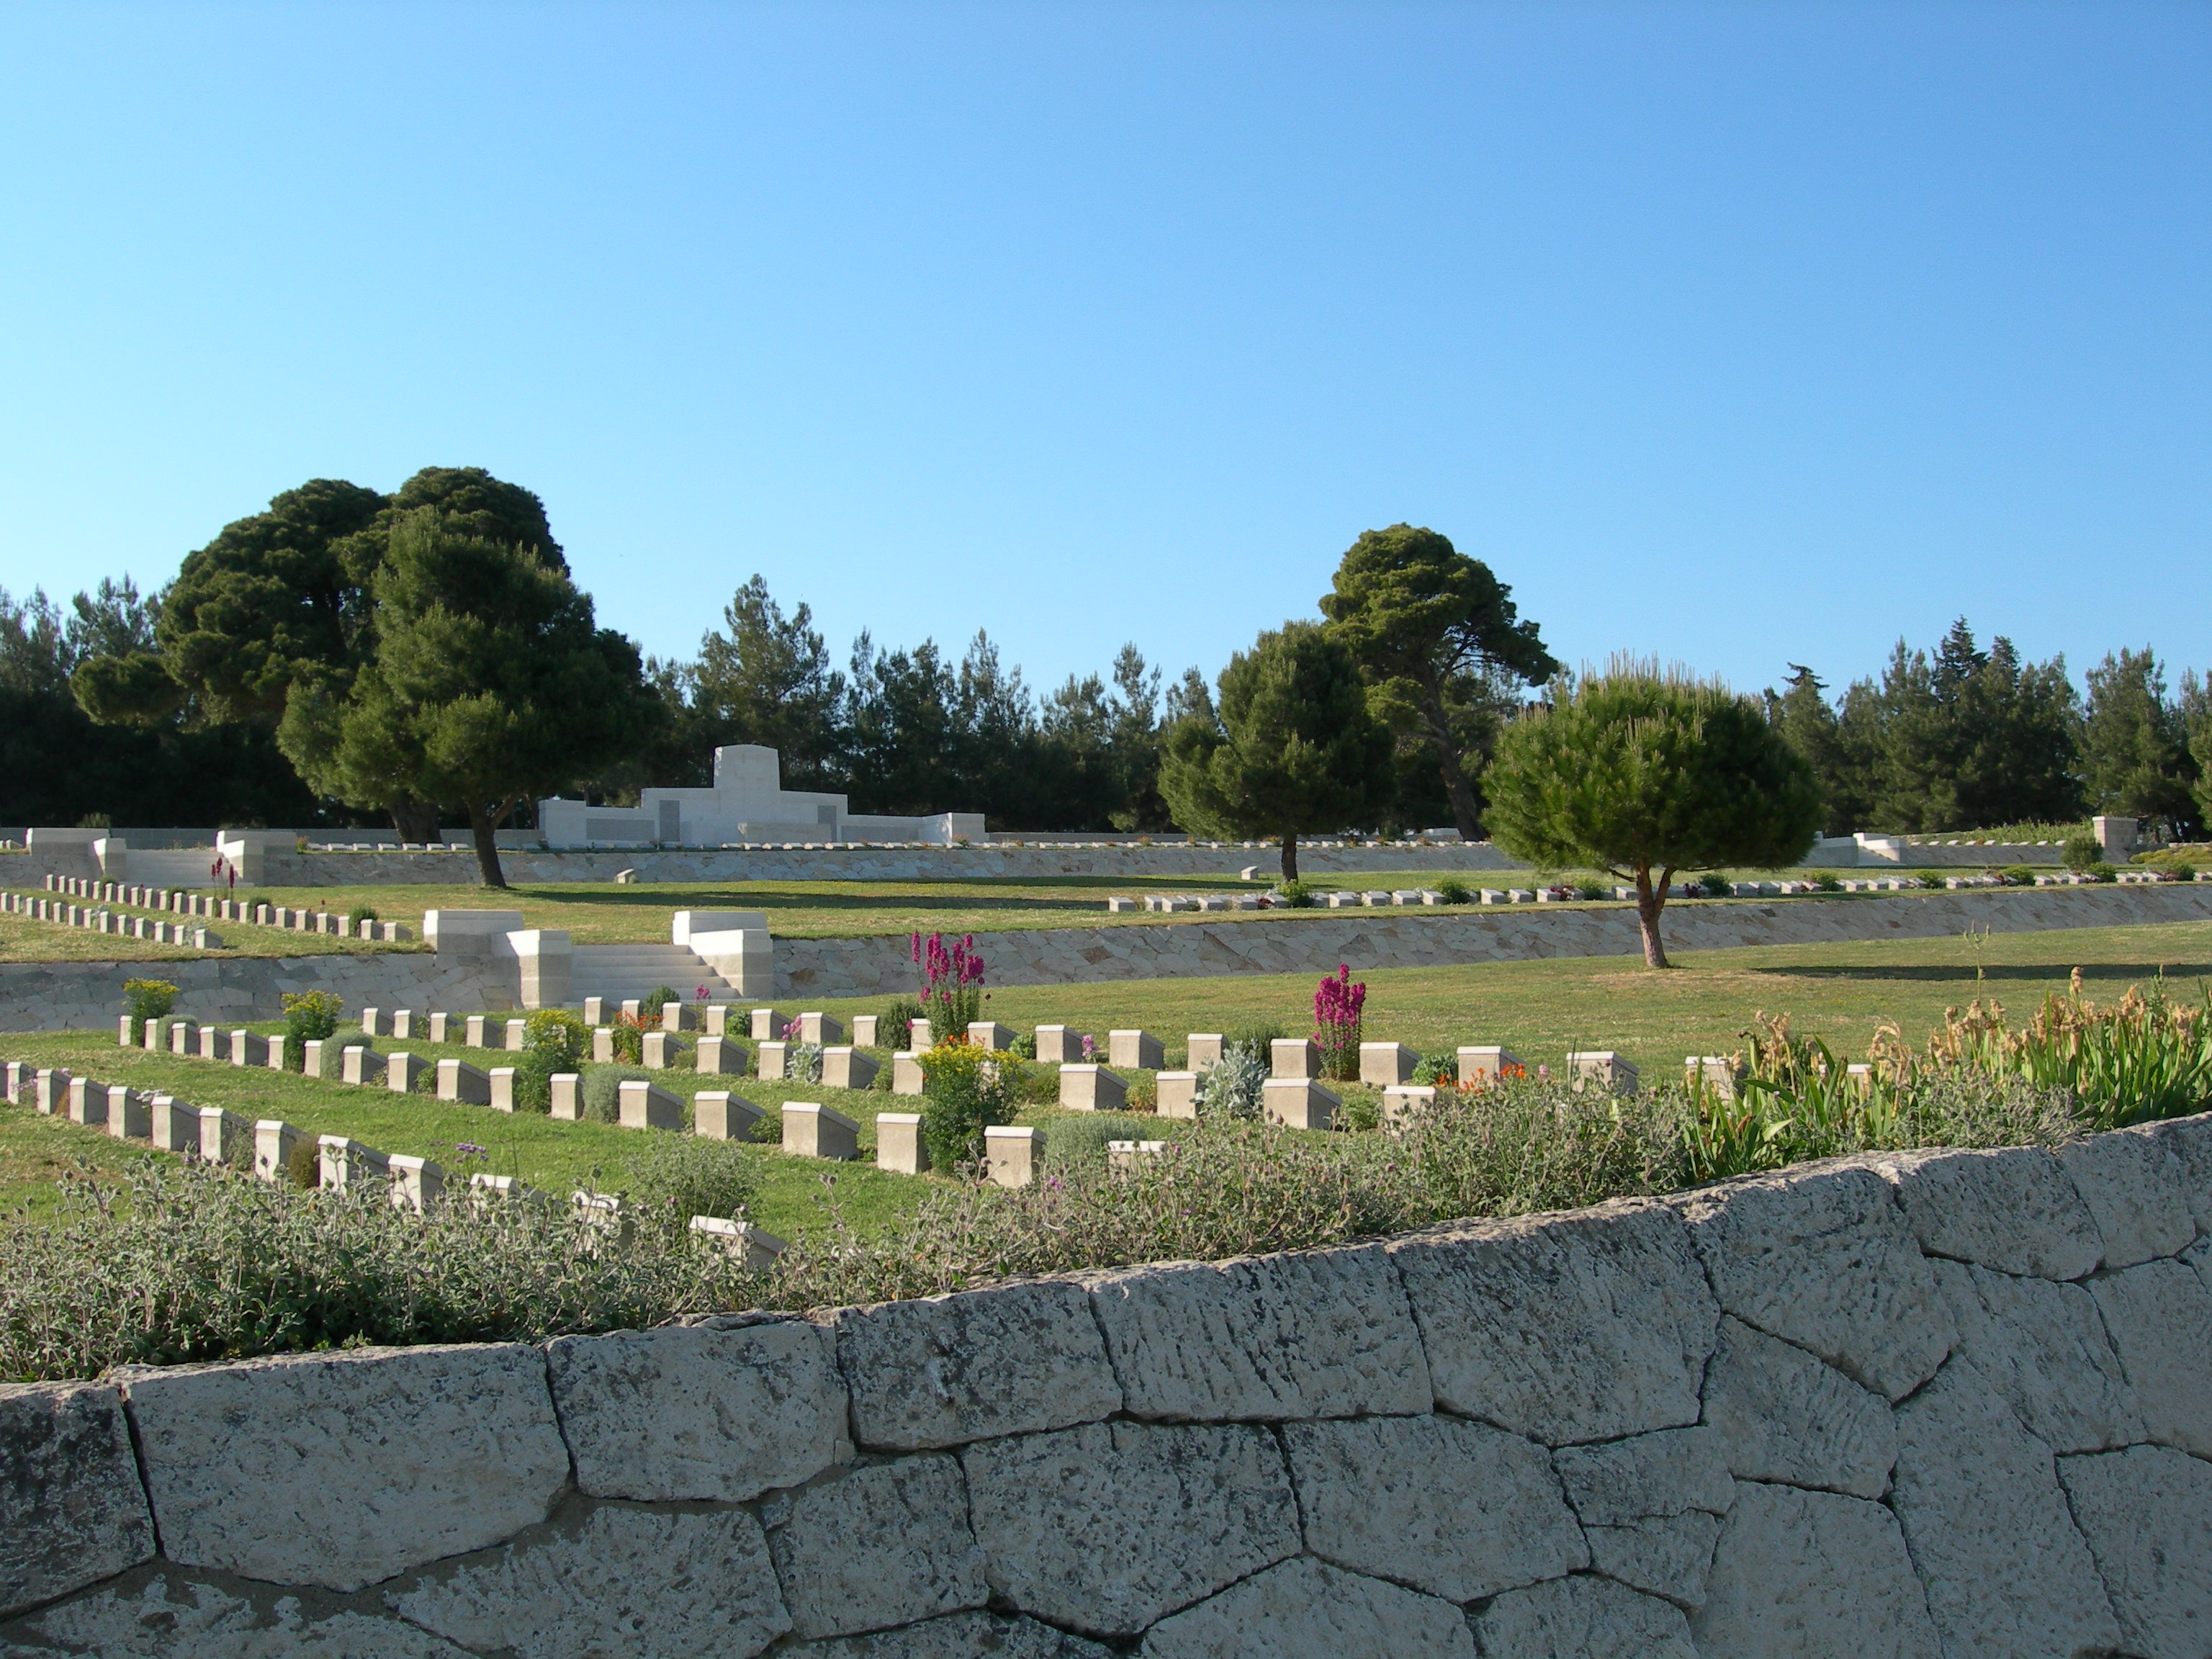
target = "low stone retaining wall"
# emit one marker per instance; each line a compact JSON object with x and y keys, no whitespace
{"x":1927,"y":1404}
{"x":65,"y":996}
{"x":57,"y":996}
{"x":1315,"y":942}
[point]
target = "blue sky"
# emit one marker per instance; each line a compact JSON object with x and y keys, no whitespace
{"x":1738,"y":334}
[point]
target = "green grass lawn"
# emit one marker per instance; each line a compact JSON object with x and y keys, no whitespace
{"x":1840,"y":993}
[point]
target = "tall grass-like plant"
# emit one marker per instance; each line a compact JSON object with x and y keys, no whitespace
{"x":309,"y":1016}
{"x":2141,"y":1058}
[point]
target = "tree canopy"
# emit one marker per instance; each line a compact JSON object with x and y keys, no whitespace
{"x":1290,"y":749}
{"x":489,"y":682}
{"x":1644,"y":771}
{"x":1441,"y":644}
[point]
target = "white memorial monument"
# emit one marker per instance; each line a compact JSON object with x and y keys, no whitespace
{"x":747,"y":803}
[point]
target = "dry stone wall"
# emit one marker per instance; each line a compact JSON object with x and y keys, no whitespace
{"x":57,"y":996}
{"x":1315,"y":942}
{"x":80,"y":996}
{"x":1919,"y":1405}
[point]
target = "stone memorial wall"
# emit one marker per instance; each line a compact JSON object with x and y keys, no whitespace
{"x":1930,"y":1404}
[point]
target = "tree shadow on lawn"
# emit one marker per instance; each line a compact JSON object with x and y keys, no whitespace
{"x":2122,"y":973}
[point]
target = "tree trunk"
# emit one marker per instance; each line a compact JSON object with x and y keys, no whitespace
{"x":1290,"y":858}
{"x":1649,"y":901}
{"x":414,"y":820}
{"x":480,"y":820}
{"x":1457,"y":789}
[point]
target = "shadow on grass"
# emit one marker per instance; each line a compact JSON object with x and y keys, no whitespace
{"x":2179,"y":974}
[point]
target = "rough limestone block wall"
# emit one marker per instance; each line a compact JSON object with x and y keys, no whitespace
{"x":82,"y":996}
{"x":1923,"y":1405}
{"x":1315,"y":942}
{"x":63,"y":996}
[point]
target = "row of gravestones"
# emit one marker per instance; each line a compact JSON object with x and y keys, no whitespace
{"x":207,"y":907}
{"x":267,"y":1147}
{"x":102,"y":920}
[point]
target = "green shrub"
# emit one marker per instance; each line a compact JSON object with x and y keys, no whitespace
{"x":2081,"y":853}
{"x":2182,"y":871}
{"x":602,"y":1089}
{"x":679,"y":1177}
{"x":2018,"y":875}
{"x":533,"y":1079}
{"x":303,"y":1166}
{"x":963,"y":1094}
{"x":1827,"y":882}
{"x":561,"y":1034}
{"x":309,"y":1016}
{"x":802,"y":1063}
{"x":1452,"y":890}
{"x":358,"y":914}
{"x":147,"y":999}
{"x":1023,"y":1046}
{"x":655,"y":999}
{"x":1362,"y":1112}
{"x":1030,"y":1084}
{"x":893,"y":1028}
{"x":1234,"y":1087}
{"x":628,"y":1035}
{"x":1295,"y":896}
{"x":1592,"y":890}
{"x":1432,"y":1069}
{"x":2103,"y":872}
{"x":1931,"y":879}
{"x":1716,"y":885}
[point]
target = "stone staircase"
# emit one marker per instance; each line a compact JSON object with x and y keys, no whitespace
{"x":619,"y":972}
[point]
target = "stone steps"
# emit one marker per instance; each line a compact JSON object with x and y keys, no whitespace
{"x":620,"y":971}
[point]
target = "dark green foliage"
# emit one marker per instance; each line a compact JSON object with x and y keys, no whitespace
{"x":2018,"y":875}
{"x":602,"y":1089}
{"x":1295,"y":895}
{"x":147,"y":999}
{"x":2082,"y":851}
{"x":1965,"y":738}
{"x":361,"y":913}
{"x":2135,"y":754}
{"x":1452,"y":890}
{"x":654,"y":1000}
{"x":1641,"y":772}
{"x":963,"y":1095}
{"x":894,"y":1030}
{"x":1442,"y":646}
{"x":1292,"y":750}
{"x":1716,"y":885}
{"x":489,"y":682}
{"x":1828,"y":884}
{"x":309,"y":1016}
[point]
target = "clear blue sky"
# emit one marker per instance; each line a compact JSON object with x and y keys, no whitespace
{"x":1740,"y":334}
